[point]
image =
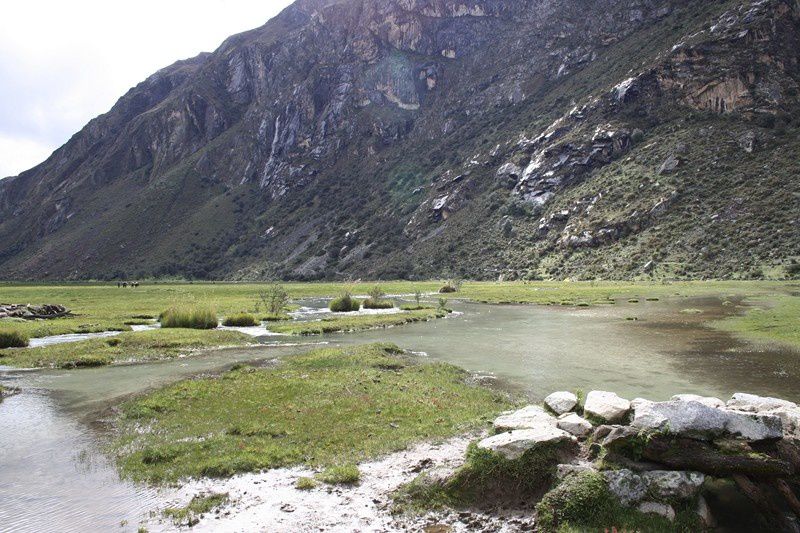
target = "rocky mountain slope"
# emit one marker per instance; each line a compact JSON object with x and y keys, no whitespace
{"x":414,"y":138}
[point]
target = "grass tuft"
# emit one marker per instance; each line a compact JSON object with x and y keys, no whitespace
{"x":347,"y":474}
{"x":344,"y":304}
{"x":241,"y":320}
{"x":369,"y":303}
{"x":10,"y":338}
{"x":306,"y":483}
{"x":191,"y":514}
{"x":197,"y":317}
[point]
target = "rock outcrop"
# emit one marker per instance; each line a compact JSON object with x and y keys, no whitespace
{"x":32,"y":312}
{"x":513,"y":135}
{"x":659,"y":462}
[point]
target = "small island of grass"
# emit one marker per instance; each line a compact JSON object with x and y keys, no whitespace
{"x":324,"y":409}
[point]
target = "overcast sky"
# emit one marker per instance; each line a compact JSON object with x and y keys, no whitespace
{"x":63,"y":63}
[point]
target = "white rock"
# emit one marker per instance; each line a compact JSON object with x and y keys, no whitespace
{"x":574,"y":424}
{"x":513,"y":444}
{"x":661,"y":509}
{"x":758,"y":404}
{"x":528,"y":417}
{"x":790,"y":419}
{"x":704,"y":512}
{"x":705,"y":400}
{"x":674,"y":484}
{"x":628,"y":486}
{"x":606,"y":405}
{"x":561,"y":402}
{"x":639,"y":401}
{"x":754,"y":426}
{"x":694,"y":419}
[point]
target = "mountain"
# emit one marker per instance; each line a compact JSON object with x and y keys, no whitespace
{"x":419,"y":138}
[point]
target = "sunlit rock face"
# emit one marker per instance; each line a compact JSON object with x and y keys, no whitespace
{"x":356,"y":137}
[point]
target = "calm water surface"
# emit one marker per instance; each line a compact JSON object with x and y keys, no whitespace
{"x":53,"y":476}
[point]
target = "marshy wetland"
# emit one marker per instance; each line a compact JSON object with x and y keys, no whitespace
{"x":108,"y":433}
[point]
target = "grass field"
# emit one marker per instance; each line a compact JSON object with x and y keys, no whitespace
{"x":126,"y":347}
{"x":325,"y":408}
{"x":354,"y":323}
{"x":775,"y":319}
{"x":101,"y":307}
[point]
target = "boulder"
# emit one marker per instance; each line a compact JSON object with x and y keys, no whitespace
{"x":617,"y":437}
{"x":669,"y":165}
{"x":672,"y":484}
{"x":513,"y":444}
{"x":606,"y":406}
{"x":661,"y":509}
{"x":705,"y":400}
{"x":564,"y":470}
{"x":680,"y":453}
{"x":790,"y":419}
{"x":758,"y":404}
{"x":704,"y":512}
{"x":561,"y":402}
{"x":528,"y":417}
{"x":697,"y":420}
{"x":628,"y":486}
{"x":574,"y":424}
{"x":754,"y":427}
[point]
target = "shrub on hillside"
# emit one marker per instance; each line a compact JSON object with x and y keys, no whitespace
{"x":197,"y":317}
{"x":13,"y":339}
{"x":241,"y":320}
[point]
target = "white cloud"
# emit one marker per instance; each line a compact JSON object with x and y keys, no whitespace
{"x":63,"y":63}
{"x":17,"y":154}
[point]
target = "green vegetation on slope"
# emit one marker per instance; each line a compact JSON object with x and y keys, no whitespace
{"x":583,"y":502}
{"x":125,"y":347}
{"x":324,"y":408}
{"x":356,"y":323}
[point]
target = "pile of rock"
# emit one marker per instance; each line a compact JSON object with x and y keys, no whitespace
{"x":654,"y":455}
{"x":31,"y":312}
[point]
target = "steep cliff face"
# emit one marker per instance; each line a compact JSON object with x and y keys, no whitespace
{"x":521,"y":138}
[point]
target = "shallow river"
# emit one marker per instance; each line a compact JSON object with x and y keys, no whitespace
{"x":53,"y":476}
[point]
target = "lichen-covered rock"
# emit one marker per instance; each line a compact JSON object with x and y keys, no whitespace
{"x":606,"y":406}
{"x":661,"y":509}
{"x":754,"y":426}
{"x":561,"y":402}
{"x":563,"y":470}
{"x":628,"y":486}
{"x":758,"y":404}
{"x":574,"y":424}
{"x":672,"y":484}
{"x":528,"y":417}
{"x":697,"y":420}
{"x":705,"y":400}
{"x":513,"y":444}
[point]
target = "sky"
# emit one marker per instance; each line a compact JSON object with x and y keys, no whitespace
{"x":64,"y":63}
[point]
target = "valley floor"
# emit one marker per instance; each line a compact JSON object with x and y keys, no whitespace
{"x":273,"y":439}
